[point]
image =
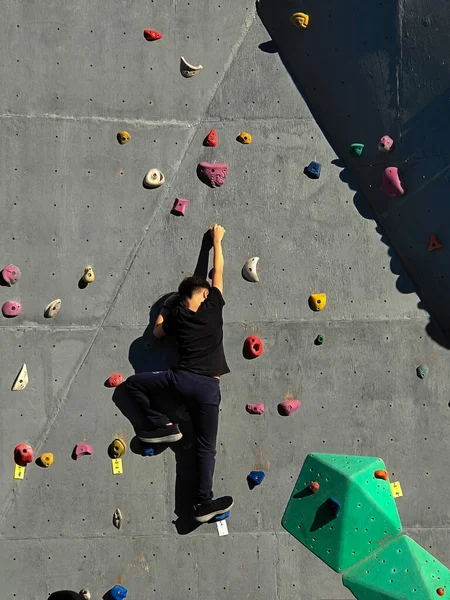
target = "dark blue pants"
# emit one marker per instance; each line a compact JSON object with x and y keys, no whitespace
{"x":201,"y":395}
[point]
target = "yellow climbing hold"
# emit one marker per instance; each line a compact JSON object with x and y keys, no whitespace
{"x":300,"y":20}
{"x":89,"y":275}
{"x":317,"y":301}
{"x":244,"y":138}
{"x":123,"y":137}
{"x":117,"y":448}
{"x":46,"y":459}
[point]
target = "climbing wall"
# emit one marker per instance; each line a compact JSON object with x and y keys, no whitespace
{"x":73,"y":76}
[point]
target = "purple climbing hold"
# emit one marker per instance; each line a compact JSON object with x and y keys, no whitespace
{"x":11,"y":308}
{"x":11,"y":274}
{"x":82,"y":450}
{"x":385,"y":144}
{"x":180,"y":206}
{"x":391,"y":184}
{"x":214,"y":174}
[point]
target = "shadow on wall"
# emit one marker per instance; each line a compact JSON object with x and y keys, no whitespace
{"x":366,"y":70}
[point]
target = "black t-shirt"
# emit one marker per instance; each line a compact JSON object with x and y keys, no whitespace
{"x":200,"y":335}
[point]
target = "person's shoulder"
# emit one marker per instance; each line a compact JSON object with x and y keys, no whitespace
{"x":215,"y":296}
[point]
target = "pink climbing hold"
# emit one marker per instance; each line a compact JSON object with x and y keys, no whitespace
{"x":255,"y":409}
{"x":11,"y":274}
{"x":391,"y":184}
{"x":385,"y":144}
{"x":11,"y":308}
{"x":180,"y":206}
{"x":23,"y":454}
{"x":214,"y":174}
{"x":82,"y":450}
{"x":114,"y":380}
{"x":287,"y":407}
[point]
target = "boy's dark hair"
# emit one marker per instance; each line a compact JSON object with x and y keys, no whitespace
{"x":189,"y":285}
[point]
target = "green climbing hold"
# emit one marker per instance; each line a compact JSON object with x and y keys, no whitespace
{"x":320,"y":339}
{"x":356,"y":149}
{"x":422,"y":371}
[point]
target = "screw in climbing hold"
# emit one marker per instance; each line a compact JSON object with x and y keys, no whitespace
{"x":381,"y":474}
{"x":213,"y":174}
{"x":255,"y":409}
{"x":118,"y":592}
{"x":313,"y":170}
{"x":46,"y":460}
{"x":287,"y":407}
{"x":300,"y":20}
{"x":188,"y":70}
{"x":151,"y":35}
{"x":356,"y":149}
{"x":434,"y":244}
{"x":11,"y":274}
{"x":314,"y":487}
{"x":320,"y":339}
{"x":123,"y":137}
{"x":117,"y":448}
{"x":179,"y":207}
{"x":23,"y":454}
{"x":211,"y":139}
{"x":249,"y":271}
{"x":81,"y":450}
{"x":317,"y":301}
{"x":21,"y":381}
{"x":52,"y":309}
{"x":117,"y":518}
{"x":255,"y":478}
{"x":253,"y":347}
{"x":85,"y":593}
{"x":422,"y":371}
{"x":114,"y":380}
{"x":391,"y":184}
{"x":244,"y":138}
{"x":154,"y":179}
{"x":11,"y":309}
{"x":440,"y":591}
{"x":88,"y":275}
{"x":385,"y":144}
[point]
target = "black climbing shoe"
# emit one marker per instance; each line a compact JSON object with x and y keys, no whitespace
{"x":166,"y":435}
{"x":205,"y":511}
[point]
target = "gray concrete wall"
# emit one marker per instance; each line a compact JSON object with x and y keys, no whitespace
{"x":72,"y":196}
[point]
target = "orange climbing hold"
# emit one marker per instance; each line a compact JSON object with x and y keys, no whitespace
{"x":440,"y":591}
{"x":434,"y":244}
{"x":314,"y":487}
{"x":381,"y":475}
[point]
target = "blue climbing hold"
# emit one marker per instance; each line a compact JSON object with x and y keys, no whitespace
{"x":148,"y":452}
{"x":313,"y":170}
{"x":334,"y":507}
{"x":255,"y":478}
{"x":220,"y":517}
{"x":118,"y":592}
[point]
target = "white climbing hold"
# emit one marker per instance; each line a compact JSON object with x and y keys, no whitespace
{"x":249,"y":269}
{"x":188,"y":70}
{"x":117,"y":518}
{"x":52,"y":309}
{"x":21,"y":381}
{"x":85,"y":593}
{"x":154,"y":178}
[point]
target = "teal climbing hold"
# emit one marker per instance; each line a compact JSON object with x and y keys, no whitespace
{"x":356,"y":149}
{"x":422,"y":371}
{"x":320,"y":339}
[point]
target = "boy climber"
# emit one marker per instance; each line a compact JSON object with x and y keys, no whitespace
{"x":194,"y":317}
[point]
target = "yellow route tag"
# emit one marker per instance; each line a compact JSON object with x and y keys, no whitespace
{"x":19,"y":472}
{"x":116,"y":464}
{"x":396,"y":489}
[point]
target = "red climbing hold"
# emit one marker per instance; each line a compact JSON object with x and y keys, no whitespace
{"x":151,"y":35}
{"x":179,"y":207}
{"x":287,"y":407}
{"x":314,"y":487}
{"x":434,"y":244}
{"x":82,"y":450}
{"x":113,"y":381}
{"x":440,"y":591}
{"x":211,"y":139}
{"x":255,"y":409}
{"x":391,"y":184}
{"x":23,"y":454}
{"x":253,"y":347}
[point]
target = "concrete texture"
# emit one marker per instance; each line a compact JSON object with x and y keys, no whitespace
{"x":74,"y":75}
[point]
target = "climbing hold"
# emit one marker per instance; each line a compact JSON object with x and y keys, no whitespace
{"x":117,"y":518}
{"x":287,"y":407}
{"x":82,"y":450}
{"x":214,"y":174}
{"x":381,"y":474}
{"x":440,"y":591}
{"x":11,"y":308}
{"x":118,"y":592}
{"x":422,"y":371}
{"x":300,"y":20}
{"x":356,"y":149}
{"x":434,"y":244}
{"x":211,"y":139}
{"x":151,"y":35}
{"x":154,"y":178}
{"x":23,"y":454}
{"x":85,"y":593}
{"x":46,"y":460}
{"x":21,"y":381}
{"x":317,"y":301}
{"x":188,"y":70}
{"x":385,"y":144}
{"x":89,"y":275}
{"x":244,"y":138}
{"x":255,"y":478}
{"x":11,"y":274}
{"x":320,"y":339}
{"x":52,"y":309}
{"x":253,"y":347}
{"x":314,"y":487}
{"x":117,"y":448}
{"x":333,"y":506}
{"x":249,"y":269}
{"x":179,"y":207}
{"x":123,"y":137}
{"x":255,"y":409}
{"x":391,"y":184}
{"x":221,"y":517}
{"x":114,"y":380}
{"x":148,"y":452}
{"x":313,"y":170}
